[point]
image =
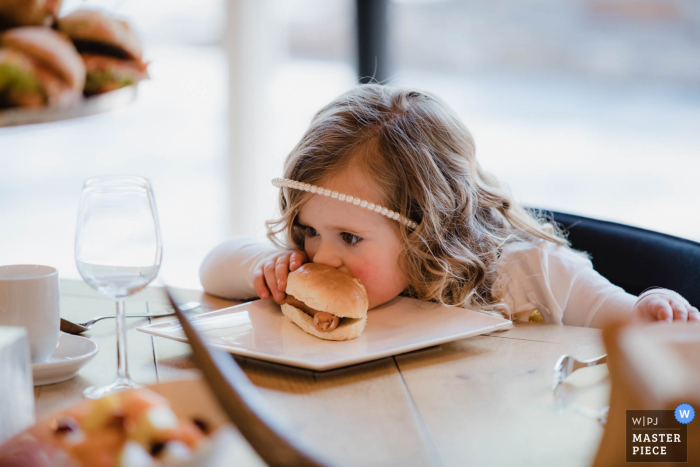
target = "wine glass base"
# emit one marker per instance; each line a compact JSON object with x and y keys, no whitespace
{"x":120,"y":384}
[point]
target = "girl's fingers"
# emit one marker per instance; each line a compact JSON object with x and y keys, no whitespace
{"x":281,"y":270}
{"x":259,"y":284}
{"x":680,"y":313}
{"x":271,"y":279}
{"x":298,"y":258}
{"x":694,"y":315}
{"x":663,"y":311}
{"x":670,"y":309}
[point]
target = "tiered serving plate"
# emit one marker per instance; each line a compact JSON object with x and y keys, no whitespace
{"x":89,"y":106}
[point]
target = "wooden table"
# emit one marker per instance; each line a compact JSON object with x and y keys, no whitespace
{"x":485,"y":400}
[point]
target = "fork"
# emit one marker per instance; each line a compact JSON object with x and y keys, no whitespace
{"x":567,"y":364}
{"x":79,"y":328}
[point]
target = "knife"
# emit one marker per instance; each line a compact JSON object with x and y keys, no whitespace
{"x":272,"y":440}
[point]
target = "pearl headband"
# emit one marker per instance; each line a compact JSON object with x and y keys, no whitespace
{"x":283,"y":182}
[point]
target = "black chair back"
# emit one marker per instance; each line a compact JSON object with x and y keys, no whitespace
{"x":634,"y":258}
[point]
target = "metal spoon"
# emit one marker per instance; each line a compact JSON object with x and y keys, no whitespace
{"x":79,"y":328}
{"x":567,"y":364}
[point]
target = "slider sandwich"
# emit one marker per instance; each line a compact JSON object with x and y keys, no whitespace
{"x":325,"y":302}
{"x":39,"y":66}
{"x":28,"y":12}
{"x":109,"y":48}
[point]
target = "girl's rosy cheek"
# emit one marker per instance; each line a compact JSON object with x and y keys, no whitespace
{"x":366,"y":272}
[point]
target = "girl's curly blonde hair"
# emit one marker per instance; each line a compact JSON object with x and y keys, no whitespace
{"x":422,"y":159}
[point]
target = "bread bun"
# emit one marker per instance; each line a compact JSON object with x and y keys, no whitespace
{"x":28,"y":12}
{"x":49,"y":49}
{"x":324,"y":288}
{"x":94,"y":26}
{"x":348,"y":328}
{"x":56,"y":91}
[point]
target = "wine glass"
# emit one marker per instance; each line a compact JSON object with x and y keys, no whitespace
{"x":117,"y":250}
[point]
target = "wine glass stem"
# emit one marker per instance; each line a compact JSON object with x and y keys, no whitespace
{"x":122,"y":367}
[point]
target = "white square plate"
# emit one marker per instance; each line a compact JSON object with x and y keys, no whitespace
{"x":258,"y":329}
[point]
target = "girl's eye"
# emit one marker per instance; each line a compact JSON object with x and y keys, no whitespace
{"x":310,"y":232}
{"x":350,"y":239}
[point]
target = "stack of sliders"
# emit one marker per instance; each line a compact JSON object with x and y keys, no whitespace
{"x":325,"y":302}
{"x":90,"y":54}
{"x":39,"y":66}
{"x":109,"y":48}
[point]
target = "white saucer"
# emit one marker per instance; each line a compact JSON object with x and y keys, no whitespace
{"x":71,"y":354}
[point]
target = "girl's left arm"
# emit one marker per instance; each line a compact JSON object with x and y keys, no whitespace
{"x":563,"y":285}
{"x":607,"y":302}
{"x":560,"y":284}
{"x":594,"y":301}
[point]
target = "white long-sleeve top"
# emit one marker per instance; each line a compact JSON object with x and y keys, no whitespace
{"x":537,"y":275}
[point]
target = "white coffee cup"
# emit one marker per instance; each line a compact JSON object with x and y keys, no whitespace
{"x":29,"y":298}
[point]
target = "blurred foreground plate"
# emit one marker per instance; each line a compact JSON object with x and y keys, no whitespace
{"x":189,"y":398}
{"x":258,"y":329}
{"x":88,"y":106}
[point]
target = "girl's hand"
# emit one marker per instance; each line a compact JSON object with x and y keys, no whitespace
{"x":665,"y":306}
{"x":270,"y":279}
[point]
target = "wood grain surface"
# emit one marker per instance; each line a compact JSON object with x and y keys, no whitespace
{"x":485,"y":400}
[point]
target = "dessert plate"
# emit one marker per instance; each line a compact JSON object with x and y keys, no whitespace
{"x":71,"y":354}
{"x":258,"y":329}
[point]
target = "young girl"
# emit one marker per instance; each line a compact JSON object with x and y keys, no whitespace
{"x":385,"y":186}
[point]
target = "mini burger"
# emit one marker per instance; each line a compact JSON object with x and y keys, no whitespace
{"x":325,"y":302}
{"x":109,"y":48}
{"x":28,"y":12}
{"x":39,"y":66}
